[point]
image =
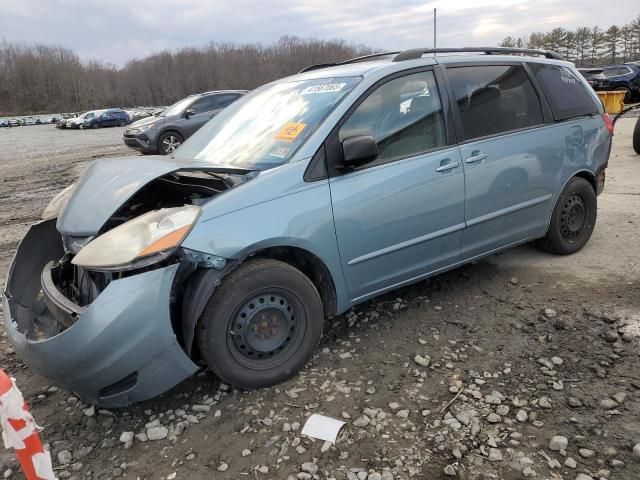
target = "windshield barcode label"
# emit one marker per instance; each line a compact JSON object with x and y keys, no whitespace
{"x":323,"y":88}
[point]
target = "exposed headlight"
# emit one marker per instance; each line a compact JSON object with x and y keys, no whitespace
{"x":57,"y":203}
{"x":139,"y":242}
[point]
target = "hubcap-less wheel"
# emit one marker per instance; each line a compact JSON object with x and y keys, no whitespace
{"x":263,"y":332}
{"x":573,"y":217}
{"x":170,"y":143}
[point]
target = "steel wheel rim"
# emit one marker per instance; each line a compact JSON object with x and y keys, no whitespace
{"x":573,"y":217}
{"x":170,"y":143}
{"x":266,"y":335}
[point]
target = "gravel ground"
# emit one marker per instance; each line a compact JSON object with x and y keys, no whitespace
{"x":521,"y":365}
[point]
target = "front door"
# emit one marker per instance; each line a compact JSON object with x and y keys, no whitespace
{"x":401,"y":216}
{"x":512,"y":159}
{"x":201,"y":112}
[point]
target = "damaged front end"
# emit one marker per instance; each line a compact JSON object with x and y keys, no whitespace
{"x":113,"y":336}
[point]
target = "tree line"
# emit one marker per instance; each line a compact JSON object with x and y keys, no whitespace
{"x":587,"y":46}
{"x":46,"y":79}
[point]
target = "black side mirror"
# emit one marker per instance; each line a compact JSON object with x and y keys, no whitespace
{"x":190,"y":112}
{"x":359,"y":150}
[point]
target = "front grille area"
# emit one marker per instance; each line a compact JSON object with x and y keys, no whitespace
{"x":79,"y":285}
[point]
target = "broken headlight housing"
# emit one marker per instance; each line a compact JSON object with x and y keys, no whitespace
{"x":140,"y":242}
{"x":58,"y":202}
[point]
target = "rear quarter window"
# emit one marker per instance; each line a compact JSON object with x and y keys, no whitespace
{"x":568,"y":97}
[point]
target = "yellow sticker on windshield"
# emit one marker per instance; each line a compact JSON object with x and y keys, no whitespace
{"x":290,"y":131}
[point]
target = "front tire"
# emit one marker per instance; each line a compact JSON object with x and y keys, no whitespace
{"x":169,"y":142}
{"x":261,"y":325}
{"x":573,"y":219}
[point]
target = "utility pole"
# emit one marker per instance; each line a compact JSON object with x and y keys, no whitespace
{"x":434,"y":28}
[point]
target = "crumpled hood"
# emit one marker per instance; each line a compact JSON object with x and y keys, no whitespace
{"x":108,"y":183}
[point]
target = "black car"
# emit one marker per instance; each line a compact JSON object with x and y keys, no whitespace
{"x":618,"y":77}
{"x":108,"y":118}
{"x":165,"y":132}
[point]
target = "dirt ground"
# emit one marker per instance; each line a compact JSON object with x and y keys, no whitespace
{"x":527,"y":345}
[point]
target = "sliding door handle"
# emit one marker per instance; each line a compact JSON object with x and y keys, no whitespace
{"x":476,"y":156}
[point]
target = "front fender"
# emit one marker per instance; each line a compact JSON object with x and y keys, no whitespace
{"x":302,"y":219}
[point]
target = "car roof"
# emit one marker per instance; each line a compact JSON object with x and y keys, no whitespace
{"x":374,"y":67}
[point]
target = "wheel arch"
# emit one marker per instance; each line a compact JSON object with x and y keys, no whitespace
{"x":585,"y":174}
{"x":165,"y":131}
{"x":588,"y":176}
{"x":200,"y":285}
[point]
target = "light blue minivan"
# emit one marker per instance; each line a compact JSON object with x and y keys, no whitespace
{"x":305,"y":197}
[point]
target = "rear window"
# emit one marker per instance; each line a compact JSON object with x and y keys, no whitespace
{"x":493,"y":99}
{"x":616,"y":71}
{"x":568,"y":97}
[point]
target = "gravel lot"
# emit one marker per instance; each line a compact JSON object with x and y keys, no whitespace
{"x":539,"y":354}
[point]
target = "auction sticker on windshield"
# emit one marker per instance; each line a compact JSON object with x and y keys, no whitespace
{"x":323,"y":88}
{"x":290,"y":131}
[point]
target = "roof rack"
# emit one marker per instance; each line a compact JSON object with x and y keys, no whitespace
{"x":415,"y":53}
{"x":345,"y":62}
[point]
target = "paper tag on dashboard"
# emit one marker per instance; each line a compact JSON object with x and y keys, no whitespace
{"x":290,"y":131}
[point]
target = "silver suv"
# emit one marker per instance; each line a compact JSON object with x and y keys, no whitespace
{"x":166,"y":131}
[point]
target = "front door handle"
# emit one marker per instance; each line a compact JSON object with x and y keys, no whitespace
{"x":446,"y":165}
{"x":476,"y":156}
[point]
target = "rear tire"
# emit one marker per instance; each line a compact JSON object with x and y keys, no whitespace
{"x":573,"y":219}
{"x":261,"y":325}
{"x":636,"y":137}
{"x":628,"y":94}
{"x":168,"y":142}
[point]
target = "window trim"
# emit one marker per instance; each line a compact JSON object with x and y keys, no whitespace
{"x":547,"y":117}
{"x":332,"y":142}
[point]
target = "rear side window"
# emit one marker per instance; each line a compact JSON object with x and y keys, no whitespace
{"x":224,"y":100}
{"x":494,"y":99}
{"x":203,"y":104}
{"x":568,"y":97}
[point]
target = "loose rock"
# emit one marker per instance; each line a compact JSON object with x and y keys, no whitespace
{"x":558,"y":443}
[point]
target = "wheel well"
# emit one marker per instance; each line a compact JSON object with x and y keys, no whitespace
{"x":589,"y":178}
{"x":312,"y":267}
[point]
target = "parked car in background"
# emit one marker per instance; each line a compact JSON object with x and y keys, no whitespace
{"x":165,"y":132}
{"x":28,"y":121}
{"x":113,"y":117}
{"x":81,"y":120}
{"x":592,"y":75}
{"x":619,"y":77}
{"x":308,"y":196}
{"x":4,"y":123}
{"x":14,"y":122}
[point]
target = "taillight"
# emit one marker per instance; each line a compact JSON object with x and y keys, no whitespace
{"x":608,"y":122}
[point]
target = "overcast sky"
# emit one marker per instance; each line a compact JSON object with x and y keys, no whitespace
{"x":117,"y":30}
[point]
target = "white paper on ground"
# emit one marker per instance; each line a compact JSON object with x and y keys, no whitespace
{"x":323,"y":428}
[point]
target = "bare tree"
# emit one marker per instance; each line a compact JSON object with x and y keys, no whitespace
{"x":41,"y":78}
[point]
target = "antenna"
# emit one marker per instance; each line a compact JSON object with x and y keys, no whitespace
{"x":434,"y":28}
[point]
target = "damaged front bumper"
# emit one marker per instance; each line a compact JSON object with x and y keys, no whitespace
{"x":119,"y":349}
